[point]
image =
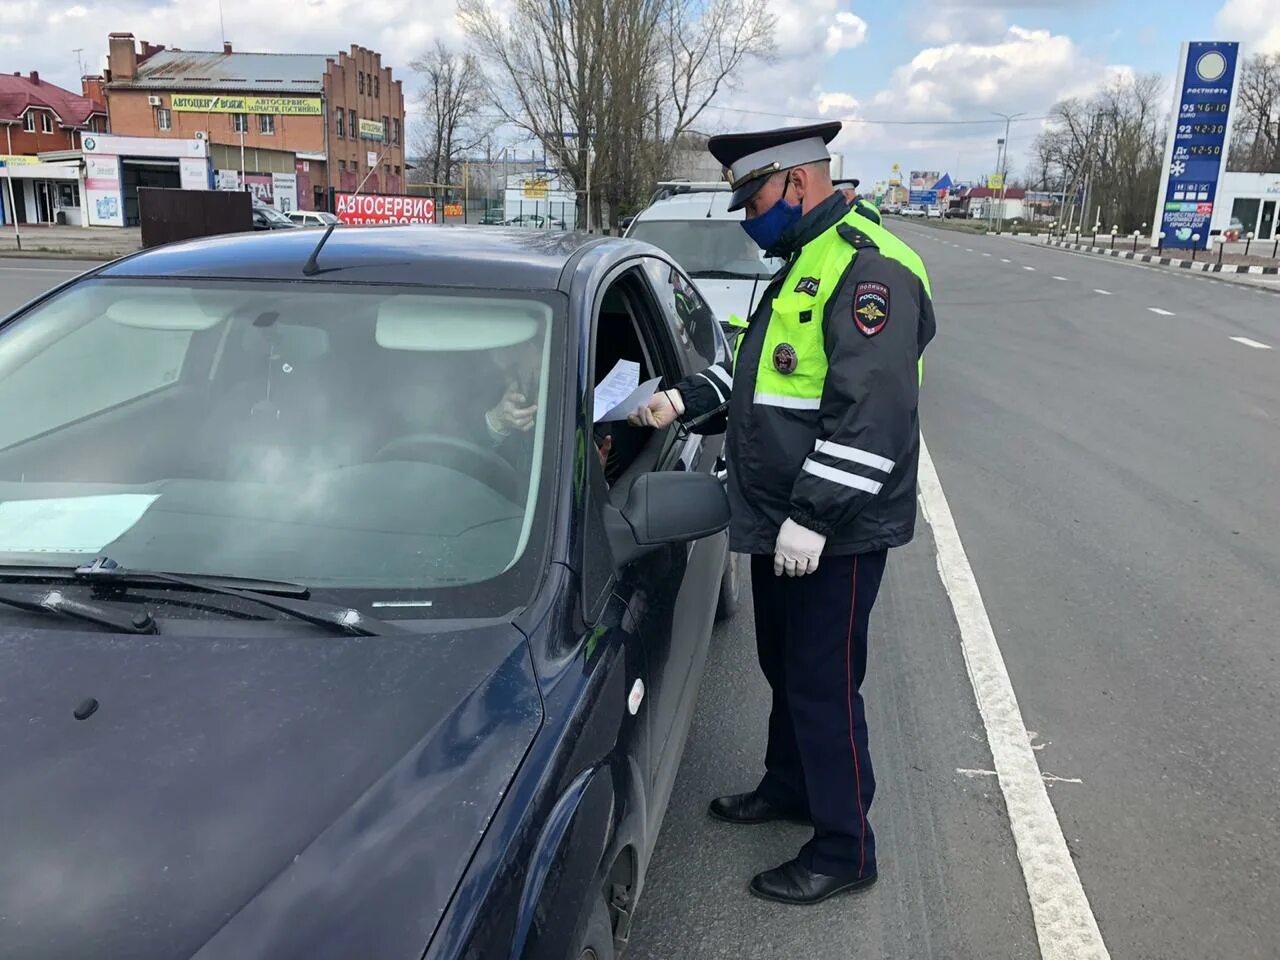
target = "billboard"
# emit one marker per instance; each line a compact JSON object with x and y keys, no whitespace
{"x":1199,"y":136}
{"x":370,"y":129}
{"x":102,"y":188}
{"x":276,"y":106}
{"x":921,"y":186}
{"x":374,"y":208}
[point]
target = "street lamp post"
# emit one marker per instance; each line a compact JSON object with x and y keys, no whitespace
{"x":1248,"y":242}
{"x":1114,"y":231}
{"x":1195,"y":245}
{"x":1004,"y":172}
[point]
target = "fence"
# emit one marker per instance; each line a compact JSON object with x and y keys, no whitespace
{"x":167,"y":215}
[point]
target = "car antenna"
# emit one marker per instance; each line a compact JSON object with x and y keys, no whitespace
{"x":311,"y":268}
{"x":711,"y":204}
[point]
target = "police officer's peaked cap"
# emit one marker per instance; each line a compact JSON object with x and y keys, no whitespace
{"x":851,"y":184}
{"x":750,"y":159}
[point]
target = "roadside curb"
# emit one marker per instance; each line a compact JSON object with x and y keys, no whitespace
{"x":1202,"y":266}
{"x":61,"y":253}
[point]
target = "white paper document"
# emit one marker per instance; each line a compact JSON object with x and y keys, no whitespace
{"x":621,"y":392}
{"x":69,"y":524}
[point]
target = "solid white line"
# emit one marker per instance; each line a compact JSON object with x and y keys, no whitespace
{"x":1065,"y":925}
{"x":1251,"y":343}
{"x":45,"y":269}
{"x":1105,"y":293}
{"x":1163,"y":313}
{"x":1059,"y":278}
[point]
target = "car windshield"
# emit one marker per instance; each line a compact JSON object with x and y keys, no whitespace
{"x":327,"y":434}
{"x":705,"y":247}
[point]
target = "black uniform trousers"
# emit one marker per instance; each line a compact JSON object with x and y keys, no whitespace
{"x":811,"y":636}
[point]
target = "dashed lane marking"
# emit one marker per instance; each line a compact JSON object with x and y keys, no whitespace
{"x":1251,"y":343}
{"x":1025,"y":267}
{"x":1163,"y":313}
{"x":1105,"y":293}
{"x":1065,"y":925}
{"x":1005,"y":260}
{"x":1056,"y":277}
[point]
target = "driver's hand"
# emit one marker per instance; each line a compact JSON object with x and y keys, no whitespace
{"x":513,"y":412}
{"x":603,"y":450}
{"x":660,"y":412}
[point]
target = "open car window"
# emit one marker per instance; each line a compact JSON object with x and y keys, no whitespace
{"x":330,"y":435}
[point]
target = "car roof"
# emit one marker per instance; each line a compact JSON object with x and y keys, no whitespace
{"x":457,"y":256}
{"x":710,"y":205}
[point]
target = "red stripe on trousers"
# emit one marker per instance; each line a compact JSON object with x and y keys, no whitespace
{"x":853,"y":746}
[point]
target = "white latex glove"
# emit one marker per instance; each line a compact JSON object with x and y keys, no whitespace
{"x":661,"y":410}
{"x":797,"y":551}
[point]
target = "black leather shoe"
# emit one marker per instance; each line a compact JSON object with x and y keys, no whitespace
{"x":797,"y":884}
{"x":751,"y":808}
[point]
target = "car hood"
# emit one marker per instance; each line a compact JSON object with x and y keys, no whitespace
{"x":727,"y":297}
{"x":261,"y":797}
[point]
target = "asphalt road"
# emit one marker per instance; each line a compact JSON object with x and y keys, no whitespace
{"x":1110,"y":454}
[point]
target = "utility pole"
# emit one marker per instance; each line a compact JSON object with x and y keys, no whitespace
{"x":79,"y":59}
{"x":991,"y":201}
{"x":1004,"y":173}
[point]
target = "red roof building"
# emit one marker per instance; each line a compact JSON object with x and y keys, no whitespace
{"x":40,"y":117}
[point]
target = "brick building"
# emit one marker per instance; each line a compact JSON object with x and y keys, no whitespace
{"x":38,"y":117}
{"x":333,"y":121}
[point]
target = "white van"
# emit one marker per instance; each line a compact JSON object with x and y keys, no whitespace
{"x":694,"y":226}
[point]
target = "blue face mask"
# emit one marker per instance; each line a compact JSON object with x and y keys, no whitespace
{"x":767,"y":228}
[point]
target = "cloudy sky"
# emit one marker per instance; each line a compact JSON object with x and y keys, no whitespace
{"x":863,"y":61}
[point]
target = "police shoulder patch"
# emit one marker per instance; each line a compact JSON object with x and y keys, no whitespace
{"x":808,"y":285}
{"x":870,"y":307}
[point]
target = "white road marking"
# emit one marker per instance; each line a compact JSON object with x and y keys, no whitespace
{"x":986,"y":254}
{"x":1163,"y":313}
{"x":1065,"y":925}
{"x":968,"y":249}
{"x":47,"y":269}
{"x":1056,"y":277}
{"x":1105,"y":293}
{"x":1025,"y":267}
{"x":1004,"y":260}
{"x":1046,"y":777}
{"x":1251,"y":343}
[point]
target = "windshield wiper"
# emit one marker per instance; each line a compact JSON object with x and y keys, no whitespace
{"x":105,"y":572}
{"x":280,"y":595}
{"x":56,"y":602}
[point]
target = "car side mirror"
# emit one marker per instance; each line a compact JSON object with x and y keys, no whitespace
{"x":664,"y":508}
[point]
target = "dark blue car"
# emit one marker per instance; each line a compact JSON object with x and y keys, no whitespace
{"x":332,"y":625}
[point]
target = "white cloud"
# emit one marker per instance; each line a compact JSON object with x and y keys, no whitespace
{"x":1255,"y":22}
{"x":398,"y":29}
{"x":846,"y":32}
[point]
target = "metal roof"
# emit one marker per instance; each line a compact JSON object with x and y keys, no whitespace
{"x":298,"y":73}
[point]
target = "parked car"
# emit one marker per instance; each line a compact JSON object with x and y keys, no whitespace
{"x":699,"y":232}
{"x":312,"y":218}
{"x":535,"y":220}
{"x":299,"y":660}
{"x":933,"y":213}
{"x":913,"y":212}
{"x":269,"y":218}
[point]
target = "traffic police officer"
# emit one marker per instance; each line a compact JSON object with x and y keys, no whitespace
{"x":822,"y":444}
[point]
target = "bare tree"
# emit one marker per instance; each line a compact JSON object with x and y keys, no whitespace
{"x":1255,"y":135}
{"x":611,"y":85}
{"x":1114,"y":142}
{"x":452,"y":98}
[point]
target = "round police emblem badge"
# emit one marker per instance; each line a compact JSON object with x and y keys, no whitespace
{"x":785,"y":359}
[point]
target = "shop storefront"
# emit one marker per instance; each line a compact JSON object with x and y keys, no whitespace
{"x":32,"y":191}
{"x":116,"y":167}
{"x":1252,"y":199}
